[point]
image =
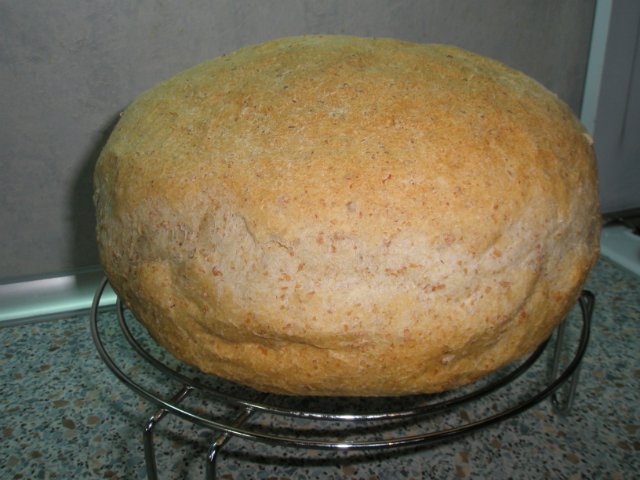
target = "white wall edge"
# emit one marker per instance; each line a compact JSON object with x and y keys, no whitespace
{"x":595,"y":67}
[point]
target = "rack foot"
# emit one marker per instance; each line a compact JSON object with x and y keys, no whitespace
{"x":147,"y":436}
{"x":220,"y":441}
{"x":563,"y":404}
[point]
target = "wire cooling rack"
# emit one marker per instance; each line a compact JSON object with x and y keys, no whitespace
{"x":320,"y":423}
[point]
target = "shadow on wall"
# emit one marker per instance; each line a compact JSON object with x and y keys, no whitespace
{"x":84,"y":250}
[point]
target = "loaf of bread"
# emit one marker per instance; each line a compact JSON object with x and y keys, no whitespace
{"x":331,"y":215}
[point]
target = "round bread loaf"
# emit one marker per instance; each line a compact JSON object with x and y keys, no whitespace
{"x":330,"y":215}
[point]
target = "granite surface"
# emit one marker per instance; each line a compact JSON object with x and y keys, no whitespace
{"x":65,"y":415}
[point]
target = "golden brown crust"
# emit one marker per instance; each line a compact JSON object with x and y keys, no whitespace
{"x":334,"y":215}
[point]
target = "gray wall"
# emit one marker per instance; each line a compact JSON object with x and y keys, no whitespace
{"x":617,"y":125}
{"x":68,"y":67}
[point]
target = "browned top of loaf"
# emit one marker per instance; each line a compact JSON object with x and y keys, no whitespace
{"x":427,"y":195}
{"x":461,"y":131}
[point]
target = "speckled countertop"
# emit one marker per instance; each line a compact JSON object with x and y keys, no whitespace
{"x":65,"y":415}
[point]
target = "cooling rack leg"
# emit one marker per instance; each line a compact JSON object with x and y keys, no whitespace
{"x":220,"y":441}
{"x":147,"y":436}
{"x":563,"y":405}
{"x":213,"y":454}
{"x":149,"y":449}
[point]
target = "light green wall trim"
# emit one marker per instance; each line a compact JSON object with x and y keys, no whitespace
{"x":618,"y":243}
{"x":39,"y":299}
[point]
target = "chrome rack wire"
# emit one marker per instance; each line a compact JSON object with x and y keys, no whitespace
{"x":389,"y":420}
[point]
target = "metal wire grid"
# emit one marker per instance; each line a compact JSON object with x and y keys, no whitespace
{"x":246,"y":407}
